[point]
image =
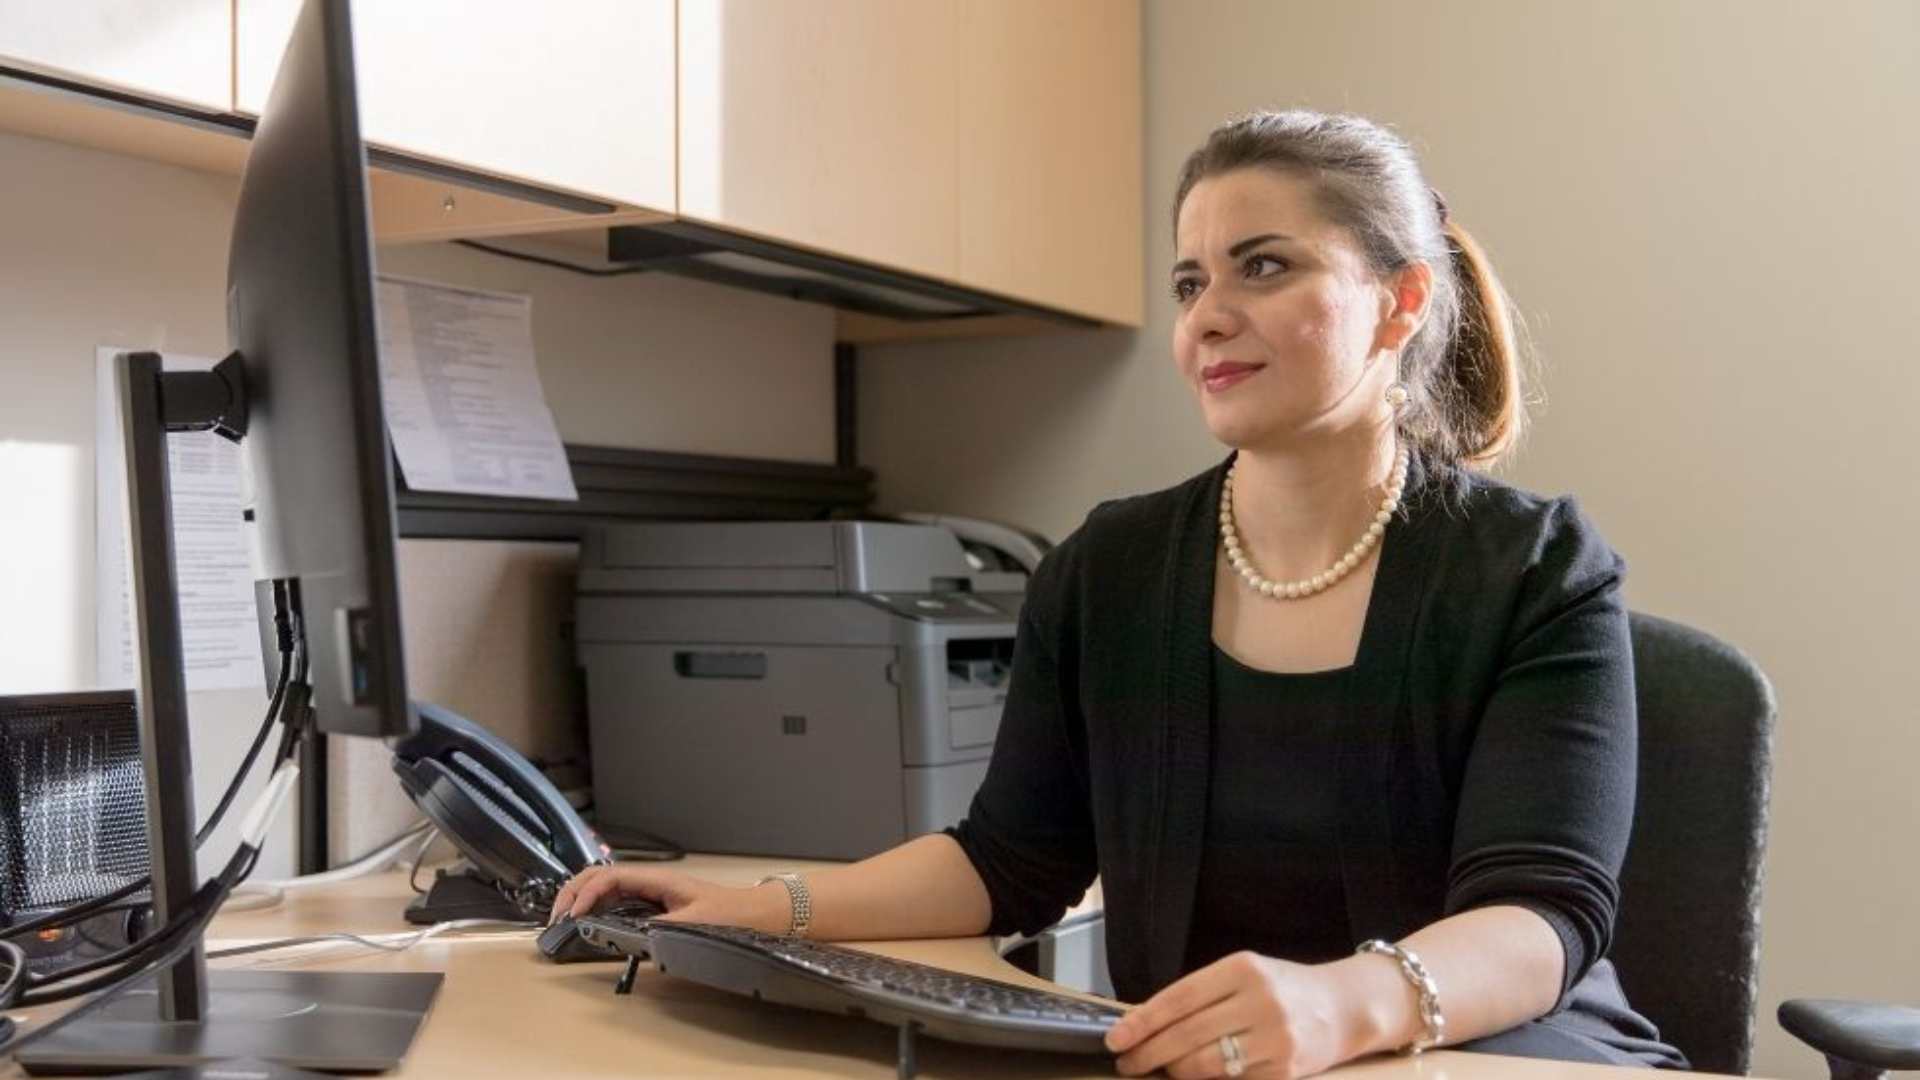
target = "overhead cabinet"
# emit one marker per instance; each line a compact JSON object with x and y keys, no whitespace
{"x":178,"y":51}
{"x":994,"y":144}
{"x":575,"y":97}
{"x":988,"y":145}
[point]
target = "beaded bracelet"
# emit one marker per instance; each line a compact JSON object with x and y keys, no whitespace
{"x":1423,"y":985}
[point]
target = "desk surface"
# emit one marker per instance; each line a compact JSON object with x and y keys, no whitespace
{"x":503,"y":1011}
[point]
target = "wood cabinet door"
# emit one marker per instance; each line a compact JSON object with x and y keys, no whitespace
{"x":1050,"y":154}
{"x":575,"y":96}
{"x":179,"y":51}
{"x":824,"y":123}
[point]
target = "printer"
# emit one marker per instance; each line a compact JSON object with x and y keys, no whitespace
{"x":818,"y":689}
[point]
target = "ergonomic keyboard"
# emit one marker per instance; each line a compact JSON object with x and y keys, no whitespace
{"x":910,"y":996}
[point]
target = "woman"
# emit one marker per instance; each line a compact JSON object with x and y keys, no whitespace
{"x":1345,"y":727}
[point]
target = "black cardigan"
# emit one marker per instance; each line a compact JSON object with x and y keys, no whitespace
{"x":1493,"y":709}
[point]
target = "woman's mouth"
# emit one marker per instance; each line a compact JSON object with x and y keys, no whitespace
{"x":1222,"y":376}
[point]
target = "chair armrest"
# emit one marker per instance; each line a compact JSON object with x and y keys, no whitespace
{"x":1071,"y":952}
{"x":1873,"y":1035}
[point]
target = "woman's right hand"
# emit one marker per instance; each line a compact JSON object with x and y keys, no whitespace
{"x":685,"y":898}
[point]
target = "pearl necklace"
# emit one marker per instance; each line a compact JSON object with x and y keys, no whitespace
{"x":1332,"y":575}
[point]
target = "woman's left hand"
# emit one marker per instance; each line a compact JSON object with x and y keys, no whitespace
{"x":1287,"y":1020}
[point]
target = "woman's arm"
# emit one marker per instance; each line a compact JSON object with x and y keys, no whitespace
{"x":1495,"y":967}
{"x":1026,"y":845}
{"x":924,"y":888}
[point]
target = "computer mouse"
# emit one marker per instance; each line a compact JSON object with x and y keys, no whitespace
{"x":561,"y":942}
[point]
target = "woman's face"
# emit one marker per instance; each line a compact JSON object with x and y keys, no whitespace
{"x":1282,"y":325}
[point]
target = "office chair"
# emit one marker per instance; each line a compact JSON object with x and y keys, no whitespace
{"x":1687,"y":935}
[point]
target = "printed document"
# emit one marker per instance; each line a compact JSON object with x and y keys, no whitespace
{"x":464,"y":404}
{"x":219,"y":627}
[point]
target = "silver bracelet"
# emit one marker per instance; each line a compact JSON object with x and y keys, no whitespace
{"x":799,"y":897}
{"x":1424,"y":987}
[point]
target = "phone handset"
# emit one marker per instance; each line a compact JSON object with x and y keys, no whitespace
{"x":508,"y":819}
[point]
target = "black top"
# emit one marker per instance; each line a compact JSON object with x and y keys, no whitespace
{"x":1493,"y":740}
{"x":1270,"y":870}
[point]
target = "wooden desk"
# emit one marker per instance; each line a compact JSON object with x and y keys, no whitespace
{"x":504,"y":1011}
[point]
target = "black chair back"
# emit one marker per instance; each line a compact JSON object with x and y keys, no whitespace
{"x":1687,"y":939}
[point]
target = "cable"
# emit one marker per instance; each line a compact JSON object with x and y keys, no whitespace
{"x":13,"y":972}
{"x":399,"y":942}
{"x":166,"y":945}
{"x":173,"y":941}
{"x":75,"y":912}
{"x":269,"y":893}
{"x":558,"y":264}
{"x":253,"y":752}
{"x":419,"y":858}
{"x":193,"y":916}
{"x":186,"y":927}
{"x":289,"y":655}
{"x":188,"y":922}
{"x":180,"y":942}
{"x":288,"y":639}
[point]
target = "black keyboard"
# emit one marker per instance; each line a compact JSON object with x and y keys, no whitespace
{"x":830,"y":978}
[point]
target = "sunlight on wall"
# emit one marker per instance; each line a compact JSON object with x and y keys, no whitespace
{"x":42,"y":556}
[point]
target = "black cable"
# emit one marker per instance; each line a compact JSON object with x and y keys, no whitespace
{"x":121,"y":955}
{"x":13,"y":973}
{"x":172,"y":942}
{"x":163,"y":943}
{"x":253,"y":752}
{"x":190,"y":918}
{"x":169,"y":944}
{"x":179,"y":944}
{"x":293,"y":676}
{"x":106,"y":959}
{"x":135,"y":959}
{"x":75,"y":912}
{"x":558,"y":264}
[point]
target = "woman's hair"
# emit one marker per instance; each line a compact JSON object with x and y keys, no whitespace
{"x":1463,"y":367}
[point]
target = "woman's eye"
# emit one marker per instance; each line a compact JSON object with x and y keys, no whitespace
{"x":1259,"y":266}
{"x":1185,"y":289}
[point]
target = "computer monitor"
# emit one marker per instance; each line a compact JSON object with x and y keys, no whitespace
{"x":302,"y":395}
{"x":300,"y":312}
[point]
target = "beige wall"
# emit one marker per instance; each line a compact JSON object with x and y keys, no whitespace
{"x":1707,"y":211}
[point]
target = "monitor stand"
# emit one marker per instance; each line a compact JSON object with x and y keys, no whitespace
{"x":337,"y":1021}
{"x":183,"y":1014}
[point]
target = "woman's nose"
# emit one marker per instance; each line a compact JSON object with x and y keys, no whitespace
{"x":1212,"y":316}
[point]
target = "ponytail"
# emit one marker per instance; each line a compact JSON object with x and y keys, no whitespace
{"x":1480,"y":377}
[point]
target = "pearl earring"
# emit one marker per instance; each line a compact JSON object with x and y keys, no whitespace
{"x":1396,"y":395}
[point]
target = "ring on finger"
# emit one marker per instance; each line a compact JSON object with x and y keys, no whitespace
{"x":1232,"y":1056}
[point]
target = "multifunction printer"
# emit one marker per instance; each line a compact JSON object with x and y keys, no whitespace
{"x":806,"y":689}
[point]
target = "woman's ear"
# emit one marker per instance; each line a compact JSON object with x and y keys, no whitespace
{"x":1409,"y":289}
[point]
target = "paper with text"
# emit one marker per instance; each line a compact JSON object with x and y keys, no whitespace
{"x":220,"y":633}
{"x":464,"y":404}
